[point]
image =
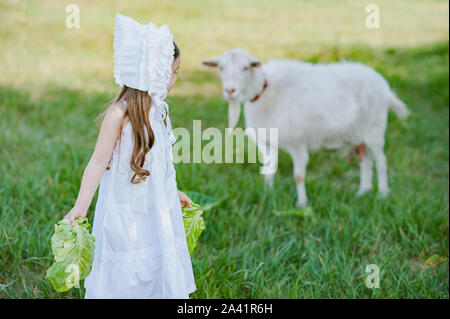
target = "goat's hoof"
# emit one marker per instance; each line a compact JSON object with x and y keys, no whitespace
{"x":301,"y":204}
{"x":268,"y":185}
{"x":383,"y":193}
{"x":362,"y":192}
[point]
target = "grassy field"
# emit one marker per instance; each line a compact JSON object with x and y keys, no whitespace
{"x":54,"y":81}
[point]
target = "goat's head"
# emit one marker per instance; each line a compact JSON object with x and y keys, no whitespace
{"x":239,"y":72}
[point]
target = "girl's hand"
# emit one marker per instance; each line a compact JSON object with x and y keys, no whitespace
{"x":184,"y":200}
{"x":74,"y":214}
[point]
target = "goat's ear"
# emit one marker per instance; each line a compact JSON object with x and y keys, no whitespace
{"x":211,"y":63}
{"x":255,"y":64}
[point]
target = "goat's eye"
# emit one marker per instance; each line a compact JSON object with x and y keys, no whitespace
{"x":245,"y":68}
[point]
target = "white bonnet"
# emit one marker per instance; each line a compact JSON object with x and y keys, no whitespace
{"x":143,"y":56}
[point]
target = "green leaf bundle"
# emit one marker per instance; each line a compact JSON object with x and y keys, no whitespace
{"x":73,"y":250}
{"x":194,"y":225}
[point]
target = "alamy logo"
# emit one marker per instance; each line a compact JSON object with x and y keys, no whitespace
{"x":262,"y":146}
{"x":372,"y":276}
{"x":373,"y":19}
{"x":73,"y":279}
{"x":73,"y":17}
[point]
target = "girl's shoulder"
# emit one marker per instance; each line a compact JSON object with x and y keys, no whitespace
{"x":118,"y":110}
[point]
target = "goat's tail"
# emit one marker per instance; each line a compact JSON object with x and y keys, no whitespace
{"x":398,"y":106}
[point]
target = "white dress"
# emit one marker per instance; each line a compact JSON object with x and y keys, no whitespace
{"x":140,"y":243}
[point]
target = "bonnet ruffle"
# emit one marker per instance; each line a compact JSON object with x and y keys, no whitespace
{"x":143,"y":57}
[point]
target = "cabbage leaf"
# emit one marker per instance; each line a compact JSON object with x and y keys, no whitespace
{"x":194,"y":225}
{"x":73,"y":250}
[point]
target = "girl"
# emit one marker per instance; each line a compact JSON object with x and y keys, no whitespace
{"x":140,"y":248}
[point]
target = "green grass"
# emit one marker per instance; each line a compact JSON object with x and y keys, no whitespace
{"x":54,"y":82}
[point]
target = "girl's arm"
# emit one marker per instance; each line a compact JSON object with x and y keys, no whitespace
{"x":109,"y":132}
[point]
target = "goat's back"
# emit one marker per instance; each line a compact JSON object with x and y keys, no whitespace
{"x":324,"y":105}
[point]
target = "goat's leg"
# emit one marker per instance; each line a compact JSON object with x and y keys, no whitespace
{"x":300,"y":158}
{"x":381,"y":166}
{"x":366,"y":173}
{"x":270,"y":163}
{"x":268,"y":153}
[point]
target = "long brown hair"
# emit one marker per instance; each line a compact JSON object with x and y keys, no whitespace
{"x":137,"y":112}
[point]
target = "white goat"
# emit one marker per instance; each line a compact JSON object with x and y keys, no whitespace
{"x":314,"y":106}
